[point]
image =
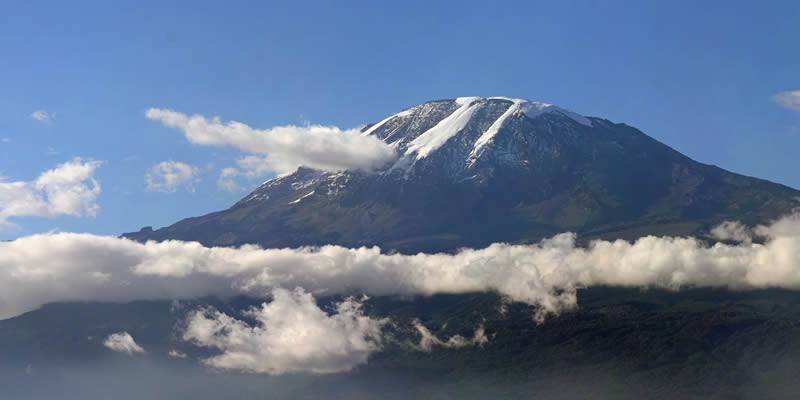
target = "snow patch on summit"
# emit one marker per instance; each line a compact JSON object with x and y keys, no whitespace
{"x":433,"y":138}
{"x":490,"y":133}
{"x":302,"y":197}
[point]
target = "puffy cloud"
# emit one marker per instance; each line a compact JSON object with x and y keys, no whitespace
{"x":282,"y":148}
{"x":428,"y":340}
{"x":291,"y":334}
{"x":43,"y":116}
{"x":168,"y":176}
{"x":40,"y":269}
{"x":68,"y":189}
{"x":789,"y":99}
{"x":123,"y":342}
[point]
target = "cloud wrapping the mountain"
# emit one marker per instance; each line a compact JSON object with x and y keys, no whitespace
{"x":123,"y":342}
{"x":291,"y":334}
{"x":168,"y":176}
{"x":68,"y":189}
{"x":40,"y":269}
{"x":282,"y":149}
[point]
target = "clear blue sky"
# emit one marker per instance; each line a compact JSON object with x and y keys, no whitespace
{"x":699,"y":76}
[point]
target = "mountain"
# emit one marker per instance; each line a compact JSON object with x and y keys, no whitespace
{"x":471,"y":171}
{"x":620,"y":344}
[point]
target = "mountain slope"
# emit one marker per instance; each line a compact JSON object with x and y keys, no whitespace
{"x":620,"y":344}
{"x":472,"y":171}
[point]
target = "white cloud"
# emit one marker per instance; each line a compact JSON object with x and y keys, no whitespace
{"x":168,"y":176}
{"x":43,"y":116}
{"x":282,"y":148}
{"x":40,"y":269}
{"x":789,"y":99}
{"x":786,"y":227}
{"x":732,"y":230}
{"x":68,"y":189}
{"x":428,"y":340}
{"x":292,"y":334}
{"x":6,"y":140}
{"x":123,"y":342}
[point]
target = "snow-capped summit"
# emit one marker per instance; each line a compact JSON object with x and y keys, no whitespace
{"x":465,"y":129}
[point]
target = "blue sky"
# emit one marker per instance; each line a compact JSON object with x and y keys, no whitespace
{"x":699,"y":76}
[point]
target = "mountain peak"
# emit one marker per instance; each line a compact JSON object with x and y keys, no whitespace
{"x":464,"y":128}
{"x":530,"y":108}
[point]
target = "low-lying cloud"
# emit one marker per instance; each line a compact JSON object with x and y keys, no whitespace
{"x":282,"y":149}
{"x":68,"y":189}
{"x":733,"y":231}
{"x":291,"y":334}
{"x":40,"y":269}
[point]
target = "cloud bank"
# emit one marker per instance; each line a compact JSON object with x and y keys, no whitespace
{"x":282,"y":149}
{"x":68,"y":189}
{"x":123,"y":342}
{"x":292,"y":334}
{"x":40,"y":269}
{"x":168,"y":176}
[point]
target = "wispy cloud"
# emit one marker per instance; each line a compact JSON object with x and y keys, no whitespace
{"x":168,"y":176}
{"x":43,"y":116}
{"x":68,"y":189}
{"x":428,"y":340}
{"x":282,"y":149}
{"x":788,"y":99}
